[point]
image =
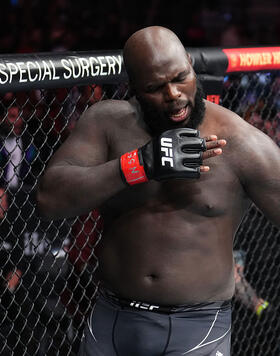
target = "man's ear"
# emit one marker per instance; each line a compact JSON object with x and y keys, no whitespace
{"x":190,"y":59}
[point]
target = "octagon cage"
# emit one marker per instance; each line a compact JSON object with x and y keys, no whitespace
{"x":47,"y":283}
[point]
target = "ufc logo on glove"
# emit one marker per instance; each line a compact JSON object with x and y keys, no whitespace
{"x":166,"y":147}
{"x":173,"y":154}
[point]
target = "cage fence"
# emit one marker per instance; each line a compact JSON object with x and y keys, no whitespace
{"x":47,"y":281}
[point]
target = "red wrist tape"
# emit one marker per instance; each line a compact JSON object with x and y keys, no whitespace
{"x":132,"y":170}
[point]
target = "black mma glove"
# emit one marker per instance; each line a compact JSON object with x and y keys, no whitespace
{"x":173,"y":154}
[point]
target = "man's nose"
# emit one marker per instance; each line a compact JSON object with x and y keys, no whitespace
{"x":172,"y":92}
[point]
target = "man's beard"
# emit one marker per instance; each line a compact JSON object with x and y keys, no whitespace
{"x":159,"y":122}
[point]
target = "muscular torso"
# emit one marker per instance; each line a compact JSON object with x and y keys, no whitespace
{"x":171,"y":242}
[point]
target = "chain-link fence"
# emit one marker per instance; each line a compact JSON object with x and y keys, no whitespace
{"x":47,"y":281}
{"x":256,"y":97}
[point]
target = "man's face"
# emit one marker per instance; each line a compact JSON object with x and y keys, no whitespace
{"x":170,"y":95}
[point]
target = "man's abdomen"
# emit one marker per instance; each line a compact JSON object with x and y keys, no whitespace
{"x":167,"y":260}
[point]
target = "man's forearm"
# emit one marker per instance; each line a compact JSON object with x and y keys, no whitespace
{"x":68,"y":190}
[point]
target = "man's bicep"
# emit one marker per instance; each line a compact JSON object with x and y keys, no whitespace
{"x":267,"y":197}
{"x":262,"y":180}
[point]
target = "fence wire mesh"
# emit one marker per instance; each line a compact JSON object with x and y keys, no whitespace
{"x":256,"y":330}
{"x":47,"y":282}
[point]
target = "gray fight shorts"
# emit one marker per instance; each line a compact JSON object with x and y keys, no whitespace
{"x":118,"y":327}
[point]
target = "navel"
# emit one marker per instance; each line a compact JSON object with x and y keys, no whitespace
{"x":151,"y":277}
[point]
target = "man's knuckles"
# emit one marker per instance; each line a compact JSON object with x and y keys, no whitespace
{"x":215,"y":144}
{"x":211,"y":153}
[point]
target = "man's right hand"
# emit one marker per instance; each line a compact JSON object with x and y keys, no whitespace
{"x":177,"y":153}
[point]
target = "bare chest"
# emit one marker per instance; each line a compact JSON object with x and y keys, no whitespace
{"x":217,"y":192}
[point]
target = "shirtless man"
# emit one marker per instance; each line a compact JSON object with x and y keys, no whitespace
{"x":165,"y":258}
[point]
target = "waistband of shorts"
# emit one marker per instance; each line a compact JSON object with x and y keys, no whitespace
{"x":165,"y":309}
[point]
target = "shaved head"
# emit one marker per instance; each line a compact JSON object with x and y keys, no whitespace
{"x":147,"y":47}
{"x":162,"y":80}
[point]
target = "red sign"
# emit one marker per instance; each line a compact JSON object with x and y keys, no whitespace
{"x":252,"y":59}
{"x":214,"y":98}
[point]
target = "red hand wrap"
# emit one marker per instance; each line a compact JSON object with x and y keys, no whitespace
{"x":132,"y":170}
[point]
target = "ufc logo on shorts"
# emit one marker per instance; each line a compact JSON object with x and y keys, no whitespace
{"x":145,"y":306}
{"x":166,"y":148}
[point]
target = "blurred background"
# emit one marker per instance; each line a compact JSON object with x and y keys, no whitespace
{"x":59,"y":25}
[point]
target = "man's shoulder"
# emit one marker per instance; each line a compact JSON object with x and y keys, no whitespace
{"x":221,"y":113}
{"x":243,"y":139}
{"x":106,"y":115}
{"x":110,"y":109}
{"x":229,"y":124}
